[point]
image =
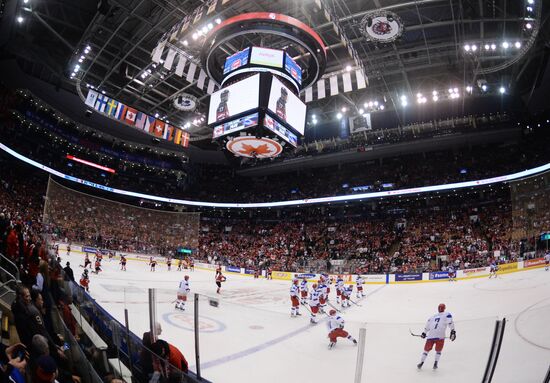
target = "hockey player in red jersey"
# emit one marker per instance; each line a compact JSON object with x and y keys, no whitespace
{"x":219,"y":279}
{"x":294,"y":299}
{"x":434,"y":333}
{"x":336,"y":329}
{"x":85,"y":280}
{"x":122,"y":263}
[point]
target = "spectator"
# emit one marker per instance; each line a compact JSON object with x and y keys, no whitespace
{"x":174,"y":357}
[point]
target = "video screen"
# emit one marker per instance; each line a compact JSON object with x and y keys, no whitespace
{"x":236,"y":125}
{"x":293,"y":69}
{"x":287,"y":106}
{"x":280,"y":130}
{"x":267,"y":57}
{"x":236,"y":61}
{"x":235,"y":99}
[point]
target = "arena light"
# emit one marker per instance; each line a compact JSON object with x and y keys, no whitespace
{"x":92,"y":164}
{"x":474,"y":48}
{"x":487,"y":47}
{"x":348,"y":68}
{"x":493,"y":47}
{"x":502,"y":90}
{"x":467,"y":48}
{"x":339,"y":116}
{"x":322,"y":200}
{"x":20,"y":19}
{"x":517,"y":44}
{"x":218,"y":21}
{"x":506,"y":45}
{"x":528,"y":26}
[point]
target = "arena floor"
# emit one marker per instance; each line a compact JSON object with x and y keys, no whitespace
{"x":251,"y":337}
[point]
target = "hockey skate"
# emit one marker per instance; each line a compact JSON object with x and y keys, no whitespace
{"x":419,"y":365}
{"x":331,"y":345}
{"x":435,"y":366}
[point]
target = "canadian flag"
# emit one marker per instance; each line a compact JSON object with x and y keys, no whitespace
{"x":131,"y":115}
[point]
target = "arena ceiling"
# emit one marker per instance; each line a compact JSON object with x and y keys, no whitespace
{"x":435,"y":51}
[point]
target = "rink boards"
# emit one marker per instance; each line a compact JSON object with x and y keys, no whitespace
{"x":371,"y":279}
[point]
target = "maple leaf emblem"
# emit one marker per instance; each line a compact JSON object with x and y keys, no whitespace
{"x":254,"y":151}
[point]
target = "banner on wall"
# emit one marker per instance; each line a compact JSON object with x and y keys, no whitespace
{"x":508,"y":266}
{"x":232,"y":269}
{"x":534,"y":262}
{"x":408,"y":277}
{"x":284,"y":275}
{"x":439,"y":275}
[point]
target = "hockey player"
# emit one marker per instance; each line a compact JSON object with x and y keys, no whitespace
{"x":303,"y":291}
{"x":218,"y":270}
{"x":85,"y":281}
{"x":98,"y":256}
{"x":97,"y":266}
{"x":180,"y":264}
{"x":268,"y":273}
{"x":68,"y":249}
{"x":434,"y":333}
{"x":336,"y":329}
{"x":347,"y":292}
{"x":111,"y":255}
{"x":122,"y":262}
{"x":87,"y":262}
{"x":183,"y":290}
{"x":219,"y":279}
{"x":546,"y":260}
{"x":323,"y":295}
{"x":339,"y":287}
{"x":493,"y":270}
{"x":192,"y":264}
{"x":314,"y":303}
{"x":152,"y":263}
{"x":359,"y":282}
{"x":169,"y":263}
{"x":294,"y":300}
{"x":452,"y":273}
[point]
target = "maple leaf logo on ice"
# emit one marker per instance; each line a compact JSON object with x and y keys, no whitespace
{"x":254,"y":151}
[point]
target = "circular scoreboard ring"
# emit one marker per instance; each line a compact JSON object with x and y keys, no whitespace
{"x":271,"y":24}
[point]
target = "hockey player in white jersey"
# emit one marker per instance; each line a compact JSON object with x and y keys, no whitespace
{"x":452,"y":273}
{"x":323,"y":295}
{"x":303,"y":291}
{"x":434,"y":333}
{"x":183,"y":290}
{"x":294,"y":299}
{"x":359,"y":283}
{"x":345,"y":294}
{"x":546,"y":260}
{"x":339,"y":286}
{"x":336,"y":329}
{"x":314,"y":303}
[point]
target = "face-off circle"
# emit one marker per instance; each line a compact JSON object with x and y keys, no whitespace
{"x":253,"y":147}
{"x":382,"y":26}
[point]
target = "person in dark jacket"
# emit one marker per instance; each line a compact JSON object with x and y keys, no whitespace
{"x":176,"y":361}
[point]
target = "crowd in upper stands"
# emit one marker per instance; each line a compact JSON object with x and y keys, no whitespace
{"x":40,"y":134}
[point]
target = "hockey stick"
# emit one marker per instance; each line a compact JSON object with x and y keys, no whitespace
{"x":420,"y":336}
{"x":355,"y":303}
{"x":334,"y":307}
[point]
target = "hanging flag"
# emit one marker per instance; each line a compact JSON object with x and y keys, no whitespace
{"x":131,"y":115}
{"x":167,"y":131}
{"x":111,"y":107}
{"x":101,"y":103}
{"x":177,"y":136}
{"x":140,"y":120}
{"x":185,"y":139}
{"x":158,"y":128}
{"x":92,"y":98}
{"x":120,"y":113}
{"x":149,"y":124}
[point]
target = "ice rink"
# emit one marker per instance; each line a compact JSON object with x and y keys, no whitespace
{"x":251,"y":337}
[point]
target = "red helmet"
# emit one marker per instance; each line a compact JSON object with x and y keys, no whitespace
{"x":295,"y":281}
{"x":332,"y":312}
{"x":441,"y":308}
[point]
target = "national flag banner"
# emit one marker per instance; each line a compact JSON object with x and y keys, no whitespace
{"x":131,"y":115}
{"x":158,"y":128}
{"x":92,"y":98}
{"x":140,"y":120}
{"x":149,"y":124}
{"x":111,"y":107}
{"x":177,"y":136}
{"x":120,"y":113}
{"x":185,"y":139}
{"x":101,"y":103}
{"x":168,"y":132}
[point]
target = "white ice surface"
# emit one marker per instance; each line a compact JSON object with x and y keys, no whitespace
{"x":251,"y":337}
